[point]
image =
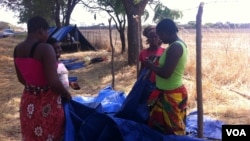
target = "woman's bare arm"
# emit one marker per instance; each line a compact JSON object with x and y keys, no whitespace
{"x":49,"y":62}
{"x":173,"y":55}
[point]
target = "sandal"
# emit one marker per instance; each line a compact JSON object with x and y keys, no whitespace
{"x":74,"y":85}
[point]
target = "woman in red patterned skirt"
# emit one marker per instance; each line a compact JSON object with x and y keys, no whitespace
{"x":41,"y":110}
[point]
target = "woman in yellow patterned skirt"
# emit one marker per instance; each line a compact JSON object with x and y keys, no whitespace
{"x":168,"y":102}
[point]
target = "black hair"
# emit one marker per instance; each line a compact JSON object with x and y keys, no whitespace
{"x":52,"y":40}
{"x":36,"y":23}
{"x":167,"y":26}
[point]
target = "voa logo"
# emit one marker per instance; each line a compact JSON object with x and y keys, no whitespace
{"x":236,"y":132}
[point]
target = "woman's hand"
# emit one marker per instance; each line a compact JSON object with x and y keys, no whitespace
{"x":152,"y":58}
{"x":148,"y":64}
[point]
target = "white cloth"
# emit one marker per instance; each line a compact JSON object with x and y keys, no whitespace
{"x":63,"y":74}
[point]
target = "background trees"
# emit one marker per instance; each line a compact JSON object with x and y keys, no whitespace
{"x":122,"y":12}
{"x":56,"y":12}
{"x":162,"y":12}
{"x":115,"y":9}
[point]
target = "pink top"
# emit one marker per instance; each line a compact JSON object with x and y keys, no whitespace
{"x":32,"y":71}
{"x":146,"y":53}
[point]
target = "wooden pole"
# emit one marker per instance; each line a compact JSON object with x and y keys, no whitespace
{"x":198,"y":70}
{"x":112,"y":57}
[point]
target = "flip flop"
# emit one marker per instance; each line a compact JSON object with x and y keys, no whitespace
{"x":74,"y":85}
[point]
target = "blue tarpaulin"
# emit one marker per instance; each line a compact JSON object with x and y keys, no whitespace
{"x":66,"y":61}
{"x":134,"y":107}
{"x":92,"y":118}
{"x":72,"y":79}
{"x":107,"y":101}
{"x":62,"y":34}
{"x":52,"y":30}
{"x":75,"y":65}
{"x":96,"y":119}
{"x":87,"y":124}
{"x":211,"y":127}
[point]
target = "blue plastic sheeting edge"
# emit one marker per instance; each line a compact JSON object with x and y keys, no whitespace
{"x":211,"y":128}
{"x":66,"y":61}
{"x":76,"y":65}
{"x":72,"y":79}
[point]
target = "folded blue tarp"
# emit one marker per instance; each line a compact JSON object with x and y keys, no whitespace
{"x":70,"y":64}
{"x":72,"y":79}
{"x":75,"y":65}
{"x":66,"y":61}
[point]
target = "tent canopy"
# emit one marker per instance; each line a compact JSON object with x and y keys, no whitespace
{"x":70,"y":36}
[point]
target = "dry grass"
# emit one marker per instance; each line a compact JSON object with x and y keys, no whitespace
{"x":225,"y":69}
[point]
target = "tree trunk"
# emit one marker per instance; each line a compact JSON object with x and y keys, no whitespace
{"x":123,"y":40}
{"x":57,"y":14}
{"x":133,"y":39}
{"x":68,"y":15}
{"x":70,"y":7}
{"x":134,"y":28}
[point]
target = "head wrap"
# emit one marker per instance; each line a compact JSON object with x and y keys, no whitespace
{"x":148,"y":30}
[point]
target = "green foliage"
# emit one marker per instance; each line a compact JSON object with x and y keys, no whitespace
{"x":117,"y":13}
{"x":58,"y":11}
{"x":162,"y":12}
{"x":29,"y":8}
{"x":145,"y":15}
{"x":137,"y":2}
{"x":115,"y":6}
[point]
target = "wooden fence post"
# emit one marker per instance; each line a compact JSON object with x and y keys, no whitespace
{"x":112,"y":57}
{"x":198,"y":70}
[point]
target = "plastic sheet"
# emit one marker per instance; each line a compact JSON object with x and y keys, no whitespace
{"x":66,"y":61}
{"x":107,"y":101}
{"x":95,"y":119}
{"x":211,"y":127}
{"x":70,"y":129}
{"x":72,"y":79}
{"x":75,"y":65}
{"x":135,"y":107}
{"x":86,"y":124}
